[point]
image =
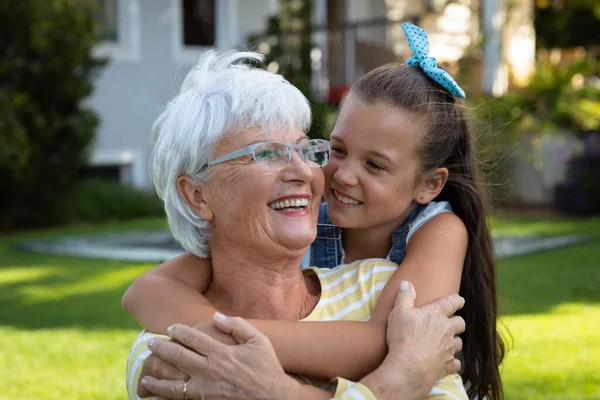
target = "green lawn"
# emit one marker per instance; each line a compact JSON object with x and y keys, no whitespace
{"x":65,"y":335}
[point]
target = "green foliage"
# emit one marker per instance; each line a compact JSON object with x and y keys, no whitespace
{"x":562,"y":96}
{"x":495,"y":124}
{"x":289,"y":55}
{"x":46,"y":71}
{"x":98,"y":200}
{"x":558,"y":97}
{"x":567,"y":23}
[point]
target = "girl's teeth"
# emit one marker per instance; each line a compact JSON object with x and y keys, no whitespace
{"x":345,"y":200}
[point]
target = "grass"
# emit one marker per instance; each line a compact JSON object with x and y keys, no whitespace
{"x":65,"y":335}
{"x":550,"y":303}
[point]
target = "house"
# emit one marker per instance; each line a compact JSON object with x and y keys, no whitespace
{"x":152,"y":44}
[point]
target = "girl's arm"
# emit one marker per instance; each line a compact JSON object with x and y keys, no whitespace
{"x":433,"y":264}
{"x":348,"y":349}
{"x":171,"y":293}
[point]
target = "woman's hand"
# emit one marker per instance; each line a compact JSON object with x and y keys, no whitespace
{"x":249,"y":370}
{"x":422,"y":343}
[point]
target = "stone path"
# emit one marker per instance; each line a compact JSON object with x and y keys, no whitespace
{"x":159,"y":246}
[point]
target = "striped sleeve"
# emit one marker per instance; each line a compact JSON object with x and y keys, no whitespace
{"x":135,"y":361}
{"x":348,"y":390}
{"x":448,"y":388}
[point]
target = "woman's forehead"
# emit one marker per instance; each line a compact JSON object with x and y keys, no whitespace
{"x":258,"y":134}
{"x":249,"y":136}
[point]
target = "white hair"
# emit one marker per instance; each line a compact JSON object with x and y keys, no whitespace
{"x":222,"y":95}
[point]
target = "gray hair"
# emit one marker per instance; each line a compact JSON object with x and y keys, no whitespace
{"x":222,"y":95}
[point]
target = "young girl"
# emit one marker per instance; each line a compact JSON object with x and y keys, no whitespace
{"x":401,"y":184}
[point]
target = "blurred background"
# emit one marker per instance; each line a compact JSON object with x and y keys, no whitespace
{"x":81,"y":82}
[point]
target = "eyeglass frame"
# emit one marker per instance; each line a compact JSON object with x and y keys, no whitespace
{"x":249,"y":150}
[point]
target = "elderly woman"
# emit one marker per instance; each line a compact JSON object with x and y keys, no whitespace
{"x":241,"y":182}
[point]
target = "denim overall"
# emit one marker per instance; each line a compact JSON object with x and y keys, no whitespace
{"x":327,"y":252}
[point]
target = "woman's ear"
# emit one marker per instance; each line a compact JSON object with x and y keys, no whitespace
{"x":431,"y":185}
{"x":193,"y":194}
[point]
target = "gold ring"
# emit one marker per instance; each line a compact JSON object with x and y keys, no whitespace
{"x":185,"y":391}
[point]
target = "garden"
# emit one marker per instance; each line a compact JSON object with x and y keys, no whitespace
{"x":65,"y":334}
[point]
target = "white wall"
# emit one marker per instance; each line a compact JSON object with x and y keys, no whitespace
{"x":145,"y":70}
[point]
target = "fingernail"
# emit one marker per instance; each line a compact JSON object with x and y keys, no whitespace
{"x":220,"y":316}
{"x":404,"y":285}
{"x":170,"y":330}
{"x":151,"y":342}
{"x":145,"y":381}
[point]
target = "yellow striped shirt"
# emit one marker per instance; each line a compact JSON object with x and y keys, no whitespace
{"x":348,"y":292}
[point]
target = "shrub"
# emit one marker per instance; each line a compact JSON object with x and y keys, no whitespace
{"x":46,"y":71}
{"x":580,"y":193}
{"x":97,"y":200}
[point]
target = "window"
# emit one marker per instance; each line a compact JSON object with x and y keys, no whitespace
{"x":107,"y":20}
{"x":118,"y":30}
{"x":198,"y":22}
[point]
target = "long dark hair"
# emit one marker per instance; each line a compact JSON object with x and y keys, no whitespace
{"x":448,"y":143}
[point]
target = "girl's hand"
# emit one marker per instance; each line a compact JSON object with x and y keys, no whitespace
{"x":248,"y":370}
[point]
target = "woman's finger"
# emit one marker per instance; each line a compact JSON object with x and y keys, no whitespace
{"x":458,"y":344}
{"x":193,"y":339}
{"x":172,"y":390}
{"x":458,"y":324}
{"x":240,"y":329}
{"x":158,"y":368}
{"x":174,"y":353}
{"x":453,"y":366}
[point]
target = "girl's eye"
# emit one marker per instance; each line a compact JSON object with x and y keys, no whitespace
{"x":374,"y":166}
{"x":337,"y":150}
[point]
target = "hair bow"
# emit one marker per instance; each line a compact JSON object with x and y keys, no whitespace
{"x":419,"y":45}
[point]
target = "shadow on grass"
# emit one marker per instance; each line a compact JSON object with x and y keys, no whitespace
{"x":536,"y":283}
{"x":41,"y":292}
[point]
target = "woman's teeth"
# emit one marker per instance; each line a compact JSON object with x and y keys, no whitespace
{"x":289,"y":203}
{"x":345,"y":200}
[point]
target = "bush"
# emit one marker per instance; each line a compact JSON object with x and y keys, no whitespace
{"x":494,"y":125}
{"x":580,"y":193}
{"x":98,"y":200}
{"x":46,"y":71}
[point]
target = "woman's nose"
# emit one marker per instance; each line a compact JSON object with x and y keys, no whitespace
{"x":298,"y":169}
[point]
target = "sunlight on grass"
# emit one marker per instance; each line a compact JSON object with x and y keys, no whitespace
{"x":64,"y":363}
{"x":113,"y":279}
{"x":15,"y":275}
{"x":555,"y":355}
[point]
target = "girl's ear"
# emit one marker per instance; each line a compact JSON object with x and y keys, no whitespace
{"x":193,"y":194}
{"x":431,"y":185}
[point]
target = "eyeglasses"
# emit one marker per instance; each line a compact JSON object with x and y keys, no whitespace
{"x":273,"y":153}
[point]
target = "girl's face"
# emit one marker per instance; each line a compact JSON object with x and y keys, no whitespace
{"x":372,"y":179}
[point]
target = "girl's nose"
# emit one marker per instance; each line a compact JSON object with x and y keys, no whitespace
{"x":344,"y":175}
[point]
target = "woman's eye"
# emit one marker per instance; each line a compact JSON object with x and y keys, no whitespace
{"x":374,"y":166}
{"x":264,"y":155}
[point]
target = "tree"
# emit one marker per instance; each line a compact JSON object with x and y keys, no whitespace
{"x":567,"y":23}
{"x":46,"y":71}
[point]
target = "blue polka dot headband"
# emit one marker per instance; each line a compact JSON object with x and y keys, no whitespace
{"x":417,"y":41}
